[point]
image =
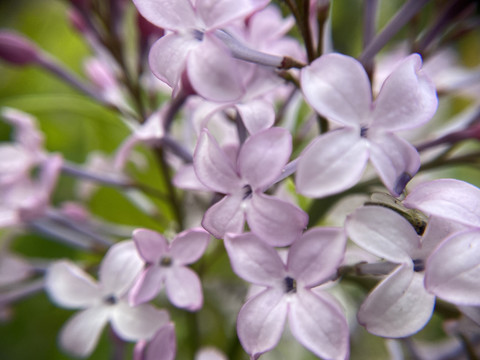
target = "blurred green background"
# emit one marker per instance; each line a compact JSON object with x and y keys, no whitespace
{"x":75,"y":125}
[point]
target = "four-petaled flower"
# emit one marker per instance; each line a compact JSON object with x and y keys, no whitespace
{"x":243,"y":179}
{"x":165,"y":265}
{"x":102,"y":302}
{"x":315,"y":318}
{"x":338,"y":88}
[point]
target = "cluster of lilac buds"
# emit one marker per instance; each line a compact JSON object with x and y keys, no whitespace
{"x":256,"y":180}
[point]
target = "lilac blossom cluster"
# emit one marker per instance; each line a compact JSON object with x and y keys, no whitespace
{"x":293,"y":161}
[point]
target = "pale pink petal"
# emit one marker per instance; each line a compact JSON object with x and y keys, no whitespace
{"x":148,"y":285}
{"x":123,"y":152}
{"x":168,"y":14}
{"x":150,"y":245}
{"x":185,"y":178}
{"x":217,"y":13}
{"x":257,"y":115}
{"x":119,"y":268}
{"x":261,"y":321}
{"x":448,"y":198}
{"x":319,"y":325}
{"x":316,"y":255}
{"x":163,"y":345}
{"x":137,"y":323}
{"x":407,"y":98}
{"x":275,"y":221}
{"x":80,"y":334}
{"x":253,"y":260}
{"x":212,"y":71}
{"x":383,"y":232}
{"x":15,"y":163}
{"x":210,"y":353}
{"x":168,"y":57}
{"x":399,"y":306}
{"x":263,"y":155}
{"x":332,"y":163}
{"x":189,"y":246}
{"x":337,"y":87}
{"x":225,"y":216}
{"x":212,"y":166}
{"x":453,"y":270}
{"x":184,"y":289}
{"x":395,"y":160}
{"x":70,"y":287}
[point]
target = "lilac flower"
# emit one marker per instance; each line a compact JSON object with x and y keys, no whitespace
{"x":315,"y":319}
{"x":244,"y":179}
{"x":338,"y":88}
{"x":400,"y":305}
{"x":102,"y":302}
{"x":165,"y":264}
{"x":192,"y":45}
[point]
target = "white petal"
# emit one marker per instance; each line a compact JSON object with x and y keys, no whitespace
{"x":257,"y":115}
{"x":136,"y":323}
{"x":453,"y":270}
{"x":338,"y":88}
{"x":395,"y":159}
{"x":383,"y":232}
{"x":119,"y":268}
{"x":168,"y":14}
{"x":332,"y":163}
{"x":70,"y":287}
{"x":184,"y":289}
{"x":399,"y":306}
{"x":80,"y":334}
{"x":319,"y":325}
{"x":261,"y":321}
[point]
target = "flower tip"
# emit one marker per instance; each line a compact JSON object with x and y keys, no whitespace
{"x":17,"y":49}
{"x":402,"y":181}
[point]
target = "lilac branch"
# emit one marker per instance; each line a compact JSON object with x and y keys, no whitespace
{"x":404,"y":15}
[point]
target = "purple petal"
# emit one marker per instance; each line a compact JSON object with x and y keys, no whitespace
{"x":212,"y":166}
{"x":80,"y":334}
{"x":253,"y":260}
{"x":332,"y":163}
{"x":212,"y":71}
{"x":218,"y":13}
{"x":184,"y":289}
{"x":150,"y":245}
{"x":263,"y":156}
{"x":275,"y":221}
{"x":137,"y":323}
{"x":453,"y":269}
{"x":119,"y":268}
{"x":319,"y":325}
{"x":225,"y":216}
{"x":261,"y":321}
{"x":447,"y":198}
{"x":185,"y":178}
{"x":257,"y":115}
{"x":168,"y":57}
{"x":70,"y":287}
{"x":168,"y":14}
{"x":163,"y":345}
{"x":316,"y":255}
{"x":189,"y":246}
{"x":399,"y":306}
{"x":395,"y":159}
{"x":407,"y":98}
{"x":383,"y":232}
{"x":147,"y":286}
{"x":338,"y":88}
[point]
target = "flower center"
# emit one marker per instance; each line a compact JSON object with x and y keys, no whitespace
{"x":110,"y":300}
{"x":197,"y":34}
{"x":166,"y":261}
{"x":363,"y":131}
{"x":247,"y":192}
{"x":290,"y":285}
{"x":418,"y":265}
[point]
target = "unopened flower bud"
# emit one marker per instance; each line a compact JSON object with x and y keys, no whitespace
{"x":17,"y":49}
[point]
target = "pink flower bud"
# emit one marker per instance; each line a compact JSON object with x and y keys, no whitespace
{"x":17,"y":49}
